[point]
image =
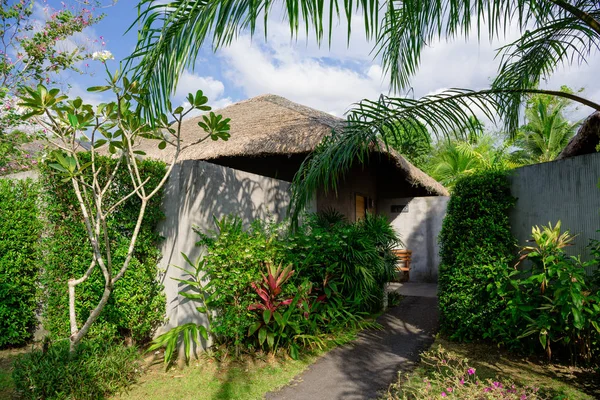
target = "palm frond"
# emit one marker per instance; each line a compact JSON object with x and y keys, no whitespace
{"x":171,"y":35}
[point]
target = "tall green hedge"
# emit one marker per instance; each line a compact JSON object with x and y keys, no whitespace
{"x":137,"y":305}
{"x":474,"y":240}
{"x":20,"y":229}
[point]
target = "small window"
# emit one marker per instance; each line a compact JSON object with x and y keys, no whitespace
{"x":399,"y":208}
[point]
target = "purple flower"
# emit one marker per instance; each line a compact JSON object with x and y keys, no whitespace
{"x":497,"y":384}
{"x":471,"y":371}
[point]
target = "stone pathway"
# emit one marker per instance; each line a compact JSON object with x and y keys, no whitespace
{"x":366,"y":367}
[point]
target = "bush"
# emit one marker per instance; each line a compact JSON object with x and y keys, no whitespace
{"x":475,"y":243}
{"x":137,"y":305}
{"x":95,"y":371}
{"x":271,"y":288}
{"x":20,"y":228}
{"x":554,"y":301}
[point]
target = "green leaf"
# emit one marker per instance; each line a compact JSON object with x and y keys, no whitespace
{"x":267,"y":316}
{"x":270,"y":339}
{"x":73,"y":120}
{"x":162,"y":145}
{"x":98,"y":88}
{"x":253,"y":328}
{"x":262,"y":335}
{"x":294,"y":352}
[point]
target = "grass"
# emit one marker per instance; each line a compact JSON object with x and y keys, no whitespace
{"x":558,"y":381}
{"x":7,"y":387}
{"x":209,"y":379}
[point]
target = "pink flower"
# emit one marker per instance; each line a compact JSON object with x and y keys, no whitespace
{"x":471,"y":371}
{"x":462,"y":381}
{"x":443,"y":394}
{"x":449,"y":390}
{"x":524,"y":397}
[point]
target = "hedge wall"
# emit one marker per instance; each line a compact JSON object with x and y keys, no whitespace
{"x":35,"y":270}
{"x":137,"y":305}
{"x":474,"y":241}
{"x":20,"y":229}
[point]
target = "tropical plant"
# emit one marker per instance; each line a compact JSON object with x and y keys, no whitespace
{"x":453,"y":159}
{"x":554,"y":33}
{"x":114,"y":128}
{"x":546,"y":132}
{"x":555,"y":299}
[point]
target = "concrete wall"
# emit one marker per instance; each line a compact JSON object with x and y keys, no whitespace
{"x":565,"y":190}
{"x":196,"y":192}
{"x":419,"y":225}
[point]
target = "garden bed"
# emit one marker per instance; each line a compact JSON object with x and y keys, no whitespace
{"x":554,"y":381}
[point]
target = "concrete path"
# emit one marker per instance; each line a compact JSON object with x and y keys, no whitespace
{"x":414,"y":289}
{"x":368,"y":365}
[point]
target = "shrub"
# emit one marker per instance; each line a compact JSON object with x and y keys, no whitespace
{"x":475,"y":241}
{"x":20,"y":228}
{"x":137,"y":305}
{"x":450,"y":376}
{"x":95,"y":371}
{"x":330,"y":274}
{"x":233,"y":261}
{"x":554,"y":300}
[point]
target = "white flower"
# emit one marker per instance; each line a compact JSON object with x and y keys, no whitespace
{"x":103,"y":55}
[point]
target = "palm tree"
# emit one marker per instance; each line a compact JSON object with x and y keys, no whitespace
{"x":454,"y":158}
{"x":546,"y":132}
{"x":554,"y":32}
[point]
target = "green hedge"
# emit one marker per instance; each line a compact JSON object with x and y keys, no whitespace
{"x":137,"y":305}
{"x":475,"y":242}
{"x":19,"y":260}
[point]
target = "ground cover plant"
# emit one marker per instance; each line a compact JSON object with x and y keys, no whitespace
{"x":482,"y":371}
{"x":96,"y":370}
{"x":20,"y":230}
{"x":265,"y":288}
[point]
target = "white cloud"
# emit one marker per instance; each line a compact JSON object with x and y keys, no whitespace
{"x":282,"y":69}
{"x":190,"y":83}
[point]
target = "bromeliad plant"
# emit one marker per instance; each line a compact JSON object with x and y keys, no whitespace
{"x":113,"y":128}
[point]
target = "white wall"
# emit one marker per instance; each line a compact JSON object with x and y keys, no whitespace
{"x":419,"y":227}
{"x":195,"y":192}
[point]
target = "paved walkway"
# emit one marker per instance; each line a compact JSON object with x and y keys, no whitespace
{"x":368,"y":365}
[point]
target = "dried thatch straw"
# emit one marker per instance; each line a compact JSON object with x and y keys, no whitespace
{"x":272,"y":125}
{"x":586,"y":139}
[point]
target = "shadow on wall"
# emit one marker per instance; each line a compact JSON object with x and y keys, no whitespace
{"x":198,"y":192}
{"x":418,"y":221}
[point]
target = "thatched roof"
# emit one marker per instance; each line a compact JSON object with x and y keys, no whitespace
{"x":586,"y":139}
{"x":272,"y":125}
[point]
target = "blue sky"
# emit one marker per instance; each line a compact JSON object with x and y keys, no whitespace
{"x":329,"y":79}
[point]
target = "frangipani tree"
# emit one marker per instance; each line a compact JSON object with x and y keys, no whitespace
{"x":113,"y":129}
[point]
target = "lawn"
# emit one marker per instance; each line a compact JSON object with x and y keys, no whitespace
{"x":558,"y":381}
{"x":207,"y":379}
